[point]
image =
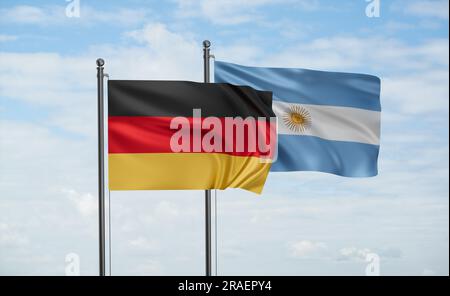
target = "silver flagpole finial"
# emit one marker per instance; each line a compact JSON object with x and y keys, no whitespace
{"x":206,"y":43}
{"x":100,"y":62}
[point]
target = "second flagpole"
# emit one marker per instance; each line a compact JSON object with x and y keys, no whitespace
{"x":208,"y":208}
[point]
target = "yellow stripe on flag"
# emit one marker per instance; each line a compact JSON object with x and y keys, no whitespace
{"x":179,"y":171}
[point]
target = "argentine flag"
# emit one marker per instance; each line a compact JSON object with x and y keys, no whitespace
{"x":327,"y":121}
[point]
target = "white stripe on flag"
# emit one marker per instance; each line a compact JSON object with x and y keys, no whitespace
{"x":334,"y":123}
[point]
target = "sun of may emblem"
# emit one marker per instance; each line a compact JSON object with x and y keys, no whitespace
{"x":297,"y":118}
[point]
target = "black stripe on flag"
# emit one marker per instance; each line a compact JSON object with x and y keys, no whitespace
{"x":178,"y":98}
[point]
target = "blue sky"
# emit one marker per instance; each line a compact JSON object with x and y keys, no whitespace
{"x":304,"y":223}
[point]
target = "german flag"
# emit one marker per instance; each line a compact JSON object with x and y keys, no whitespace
{"x":174,"y":135}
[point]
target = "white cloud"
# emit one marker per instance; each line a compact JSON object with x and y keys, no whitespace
{"x":166,"y":227}
{"x":224,"y":12}
{"x":45,"y":166}
{"x":10,"y":237}
{"x":420,"y":93}
{"x":307,"y":5}
{"x":24,"y":14}
{"x":234,"y":12}
{"x":161,"y":40}
{"x":241,"y":51}
{"x":50,"y":15}
{"x":86,"y":203}
{"x":230,"y":251}
{"x":123,"y":16}
{"x":352,"y":253}
{"x":63,"y":83}
{"x":426,"y":8}
{"x":166,"y":209}
{"x":307,"y":249}
{"x":340,"y":53}
{"x":6,"y":38}
{"x":143,"y":244}
{"x":394,"y":26}
{"x":44,"y":78}
{"x":147,"y":268}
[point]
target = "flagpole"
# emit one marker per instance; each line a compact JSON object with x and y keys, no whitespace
{"x":208,"y":245}
{"x":101,"y":167}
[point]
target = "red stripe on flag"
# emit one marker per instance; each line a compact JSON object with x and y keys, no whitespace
{"x":150,"y":134}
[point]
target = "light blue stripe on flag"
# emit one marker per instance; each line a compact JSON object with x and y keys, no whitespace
{"x":305,"y":86}
{"x":308,"y":153}
{"x":352,"y":99}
